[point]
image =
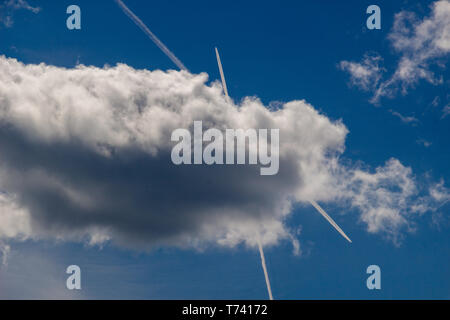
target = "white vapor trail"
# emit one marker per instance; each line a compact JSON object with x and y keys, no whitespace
{"x":266,"y":275}
{"x":150,"y":34}
{"x":224,"y":84}
{"x":261,"y":251}
{"x":329,"y":219}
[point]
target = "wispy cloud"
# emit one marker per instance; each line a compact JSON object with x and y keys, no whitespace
{"x":365,"y":74}
{"x":424,"y":143}
{"x":435,"y":101}
{"x":4,"y":253}
{"x":420,"y":45}
{"x":405,"y":119}
{"x":8,"y":8}
{"x":445,"y":111}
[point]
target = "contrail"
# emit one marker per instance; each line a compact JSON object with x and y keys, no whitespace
{"x":314,"y":204}
{"x":326,"y":216}
{"x":266,"y":275}
{"x":151,"y":35}
{"x":180,"y":65}
{"x":261,"y":251}
{"x":224,"y":84}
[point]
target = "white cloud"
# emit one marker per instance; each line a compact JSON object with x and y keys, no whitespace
{"x":420,"y":44}
{"x":15,"y":221}
{"x":384,"y":198}
{"x":365,"y":74}
{"x":440,"y":193}
{"x":85,"y":155}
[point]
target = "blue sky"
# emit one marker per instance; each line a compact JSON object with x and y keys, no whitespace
{"x":277,"y":51}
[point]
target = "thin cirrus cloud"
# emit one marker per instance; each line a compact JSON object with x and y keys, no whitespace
{"x":8,"y":8}
{"x":405,"y":119}
{"x":85,"y":156}
{"x":420,"y":44}
{"x":445,"y":111}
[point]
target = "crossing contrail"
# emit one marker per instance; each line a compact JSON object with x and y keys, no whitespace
{"x":266,"y":275}
{"x":151,"y":35}
{"x":261,"y":251}
{"x":314,"y":203}
{"x":180,"y":65}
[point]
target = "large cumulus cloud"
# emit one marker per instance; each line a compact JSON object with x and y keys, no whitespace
{"x":85,"y":155}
